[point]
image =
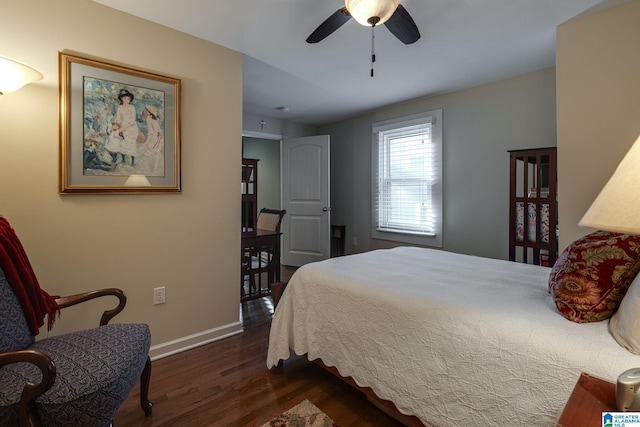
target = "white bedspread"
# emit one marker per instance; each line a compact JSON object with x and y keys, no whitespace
{"x":453,"y":339}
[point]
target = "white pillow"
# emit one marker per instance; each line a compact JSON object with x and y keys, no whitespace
{"x":624,"y":325}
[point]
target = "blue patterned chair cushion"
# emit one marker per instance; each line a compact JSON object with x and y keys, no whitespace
{"x":96,"y":370}
{"x":15,"y":331}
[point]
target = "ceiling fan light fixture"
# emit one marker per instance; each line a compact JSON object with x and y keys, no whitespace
{"x":366,"y":11}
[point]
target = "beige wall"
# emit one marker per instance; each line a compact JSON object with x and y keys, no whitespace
{"x":479,"y":125}
{"x":598,"y":93}
{"x":188,"y":242}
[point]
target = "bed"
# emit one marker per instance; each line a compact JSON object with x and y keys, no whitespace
{"x":451,"y":339}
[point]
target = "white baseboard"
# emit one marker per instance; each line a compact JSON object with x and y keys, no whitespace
{"x":192,"y":341}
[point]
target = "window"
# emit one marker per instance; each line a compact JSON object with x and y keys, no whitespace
{"x":407,"y":179}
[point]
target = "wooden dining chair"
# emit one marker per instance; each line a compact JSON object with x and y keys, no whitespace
{"x":260,"y":259}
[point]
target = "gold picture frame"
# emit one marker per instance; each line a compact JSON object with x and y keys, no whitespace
{"x":119,"y":128}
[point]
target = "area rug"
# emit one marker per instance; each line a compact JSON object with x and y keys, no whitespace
{"x":304,"y":414}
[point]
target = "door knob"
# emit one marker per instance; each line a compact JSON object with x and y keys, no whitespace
{"x":325,"y":209}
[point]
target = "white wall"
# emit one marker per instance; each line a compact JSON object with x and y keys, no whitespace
{"x":259,"y":126}
{"x":188,"y":242}
{"x":598,"y":80}
{"x":480,"y":125}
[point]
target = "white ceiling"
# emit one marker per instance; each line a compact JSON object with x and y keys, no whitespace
{"x":464,"y":43}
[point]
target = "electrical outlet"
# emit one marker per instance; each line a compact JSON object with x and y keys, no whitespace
{"x":158,"y":295}
{"x":355,"y":241}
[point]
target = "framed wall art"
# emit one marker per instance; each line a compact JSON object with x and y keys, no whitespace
{"x":119,"y":128}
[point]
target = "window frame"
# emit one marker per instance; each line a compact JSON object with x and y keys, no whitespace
{"x":432,"y":239}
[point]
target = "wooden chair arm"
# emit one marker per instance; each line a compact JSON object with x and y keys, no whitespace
{"x":27,"y":405}
{"x":70,"y":300}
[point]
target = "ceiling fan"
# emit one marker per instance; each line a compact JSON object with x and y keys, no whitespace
{"x":371,"y":13}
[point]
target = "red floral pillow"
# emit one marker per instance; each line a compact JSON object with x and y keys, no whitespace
{"x":592,"y":275}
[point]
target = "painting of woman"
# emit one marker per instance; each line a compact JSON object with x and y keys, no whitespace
{"x":126,"y":119}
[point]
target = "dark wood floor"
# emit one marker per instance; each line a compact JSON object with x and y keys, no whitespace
{"x":226,"y":383}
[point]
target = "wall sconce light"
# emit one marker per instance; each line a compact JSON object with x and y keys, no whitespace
{"x":14,"y":75}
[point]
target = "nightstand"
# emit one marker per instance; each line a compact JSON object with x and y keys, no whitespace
{"x":590,"y":397}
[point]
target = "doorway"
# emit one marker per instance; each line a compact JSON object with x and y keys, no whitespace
{"x":267,"y":152}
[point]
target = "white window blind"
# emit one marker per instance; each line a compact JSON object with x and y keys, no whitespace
{"x":407,"y":179}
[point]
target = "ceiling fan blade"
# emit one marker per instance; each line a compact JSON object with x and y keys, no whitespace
{"x":332,"y":23}
{"x":402,"y":26}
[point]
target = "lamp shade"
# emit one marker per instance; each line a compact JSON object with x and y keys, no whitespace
{"x":137,"y":180}
{"x":363,"y":10}
{"x":617,"y":207}
{"x":14,"y":75}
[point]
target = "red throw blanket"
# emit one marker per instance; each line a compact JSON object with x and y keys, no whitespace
{"x":35,"y":302}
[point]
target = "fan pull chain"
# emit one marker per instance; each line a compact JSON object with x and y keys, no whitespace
{"x":373,"y":52}
{"x":373,"y":47}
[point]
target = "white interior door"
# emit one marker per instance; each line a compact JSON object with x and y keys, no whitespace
{"x":305,"y":196}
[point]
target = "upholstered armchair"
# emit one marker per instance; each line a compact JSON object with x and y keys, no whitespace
{"x":74,"y":379}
